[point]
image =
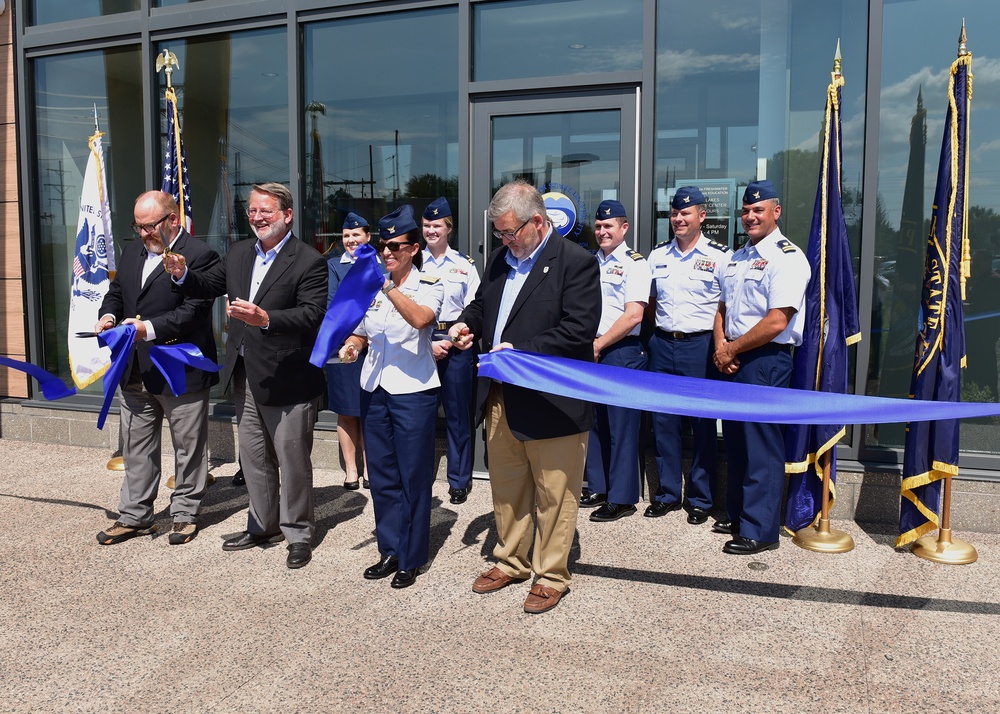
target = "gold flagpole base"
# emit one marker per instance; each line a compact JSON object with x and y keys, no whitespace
{"x":944,"y":549}
{"x":823,"y":539}
{"x":117,"y":463}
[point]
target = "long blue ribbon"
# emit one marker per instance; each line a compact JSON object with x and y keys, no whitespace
{"x":52,"y":386}
{"x":119,"y":340}
{"x":171,"y":360}
{"x":690,"y":396}
{"x":349,"y":305}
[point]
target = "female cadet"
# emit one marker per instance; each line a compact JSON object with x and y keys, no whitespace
{"x":399,"y":400}
{"x":454,"y":366}
{"x":344,"y":380}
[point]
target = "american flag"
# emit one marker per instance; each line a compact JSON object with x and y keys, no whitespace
{"x":175,"y":173}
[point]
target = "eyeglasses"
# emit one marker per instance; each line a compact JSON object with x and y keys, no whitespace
{"x":266,"y":215}
{"x":510,"y":235}
{"x":393,"y":247}
{"x":149,"y":227}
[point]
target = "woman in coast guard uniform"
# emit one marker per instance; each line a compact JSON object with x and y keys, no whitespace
{"x":344,"y":380}
{"x":454,"y":366}
{"x":399,"y":383}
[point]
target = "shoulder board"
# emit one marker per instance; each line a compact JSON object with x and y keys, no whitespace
{"x":786,"y":246}
{"x":719,"y":246}
{"x":660,"y":245}
{"x":468,"y":258}
{"x":634,"y":254}
{"x":429,"y":279}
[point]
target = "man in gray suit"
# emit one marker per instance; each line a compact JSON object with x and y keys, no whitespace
{"x":276,"y":287}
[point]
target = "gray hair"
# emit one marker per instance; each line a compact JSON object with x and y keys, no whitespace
{"x":277,"y":190}
{"x":521,"y":198}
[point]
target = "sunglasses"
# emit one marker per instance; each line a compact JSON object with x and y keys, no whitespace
{"x":393,"y":247}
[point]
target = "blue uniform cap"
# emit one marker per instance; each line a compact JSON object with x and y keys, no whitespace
{"x":687,"y":196}
{"x":397,"y":223}
{"x":610,"y":209}
{"x":759,"y":191}
{"x":353,"y":221}
{"x":437,"y":209}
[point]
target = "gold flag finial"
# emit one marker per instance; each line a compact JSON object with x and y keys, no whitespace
{"x":962,"y":40}
{"x":837,"y":60}
{"x":167,"y":61}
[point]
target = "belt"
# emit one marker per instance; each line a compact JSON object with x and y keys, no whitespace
{"x":771,"y":347}
{"x":445,"y":326}
{"x":670,"y":335}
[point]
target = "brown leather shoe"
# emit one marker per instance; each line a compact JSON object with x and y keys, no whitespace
{"x":492,"y":580}
{"x":542,"y":599}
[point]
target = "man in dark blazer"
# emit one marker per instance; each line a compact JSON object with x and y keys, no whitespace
{"x":540,"y":293}
{"x":142,"y":294}
{"x":276,"y":288}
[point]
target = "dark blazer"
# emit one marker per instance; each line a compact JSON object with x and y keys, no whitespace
{"x":294,"y":296}
{"x":175,"y":317}
{"x":556,"y":313}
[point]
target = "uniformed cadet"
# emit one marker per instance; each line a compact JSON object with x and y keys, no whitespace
{"x":687,"y":282}
{"x":759,"y":322}
{"x":613,"y":450}
{"x":455,"y":367}
{"x":399,"y":383}
{"x":344,"y":381}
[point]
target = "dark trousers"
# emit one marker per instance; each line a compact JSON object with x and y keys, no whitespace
{"x":690,"y":357}
{"x":457,"y":385}
{"x":613,"y":448}
{"x":756,"y":451}
{"x":399,"y":442}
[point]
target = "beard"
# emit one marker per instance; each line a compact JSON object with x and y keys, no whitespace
{"x":153,"y":245}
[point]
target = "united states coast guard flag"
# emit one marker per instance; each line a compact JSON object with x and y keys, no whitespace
{"x":831,"y":324}
{"x":932,"y":447}
{"x":93,"y":268}
{"x":175,"y":174}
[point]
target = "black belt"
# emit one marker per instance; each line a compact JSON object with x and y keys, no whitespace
{"x":771,"y":347}
{"x":670,"y":335}
{"x":445,"y":326}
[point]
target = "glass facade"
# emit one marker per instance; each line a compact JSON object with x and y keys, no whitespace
{"x":363,"y":106}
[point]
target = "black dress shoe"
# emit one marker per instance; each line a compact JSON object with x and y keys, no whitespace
{"x":364,"y":482}
{"x":404,"y":578}
{"x":589,"y":500}
{"x":657,"y":509}
{"x":251,"y":540}
{"x":352,"y":485}
{"x":697,"y":516}
{"x":238,"y":479}
{"x":612,"y":512}
{"x":459,"y":495}
{"x":298,"y":555}
{"x":746,"y":546}
{"x":727,"y":527}
{"x":385,"y":567}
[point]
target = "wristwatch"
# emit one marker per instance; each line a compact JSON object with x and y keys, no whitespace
{"x":387,"y":288}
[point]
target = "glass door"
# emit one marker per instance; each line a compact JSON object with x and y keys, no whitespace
{"x":577,"y":149}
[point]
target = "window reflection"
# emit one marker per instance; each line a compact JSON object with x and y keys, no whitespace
{"x":382,"y":129}
{"x":527,"y":38}
{"x":920,"y":41}
{"x":66,"y":90}
{"x":45,"y":11}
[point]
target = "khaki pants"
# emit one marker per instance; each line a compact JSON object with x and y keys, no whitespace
{"x":546,"y":474}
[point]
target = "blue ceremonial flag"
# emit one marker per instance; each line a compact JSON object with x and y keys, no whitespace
{"x":831,"y":324}
{"x":932,"y":447}
{"x":175,"y":173}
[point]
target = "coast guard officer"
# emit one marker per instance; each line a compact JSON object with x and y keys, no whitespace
{"x":455,"y":367}
{"x":687,"y":283}
{"x":758,"y":323}
{"x":613,"y":450}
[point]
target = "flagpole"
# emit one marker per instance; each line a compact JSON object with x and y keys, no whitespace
{"x":945,"y":548}
{"x":821,"y":538}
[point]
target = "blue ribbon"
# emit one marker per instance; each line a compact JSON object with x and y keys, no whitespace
{"x":119,"y":340}
{"x":712,"y":399}
{"x":52,"y":386}
{"x":171,"y":360}
{"x":349,"y":305}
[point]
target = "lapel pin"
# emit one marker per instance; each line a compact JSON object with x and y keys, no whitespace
{"x":545,"y":270}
